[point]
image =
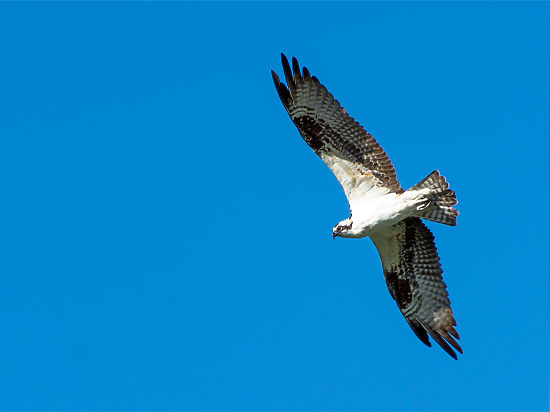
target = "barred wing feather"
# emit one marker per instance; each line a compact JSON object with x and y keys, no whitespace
{"x":413,"y":275}
{"x":352,"y":154}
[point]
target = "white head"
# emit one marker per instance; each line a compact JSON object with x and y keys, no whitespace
{"x":343,"y":229}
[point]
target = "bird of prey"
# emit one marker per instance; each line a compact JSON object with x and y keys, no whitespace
{"x":379,"y":207}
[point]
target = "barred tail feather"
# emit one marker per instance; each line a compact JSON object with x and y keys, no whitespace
{"x":442,"y":200}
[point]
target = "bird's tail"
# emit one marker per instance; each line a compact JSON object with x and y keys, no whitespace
{"x":439,"y":207}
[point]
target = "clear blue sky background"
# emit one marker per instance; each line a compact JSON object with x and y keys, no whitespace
{"x":166,"y":234}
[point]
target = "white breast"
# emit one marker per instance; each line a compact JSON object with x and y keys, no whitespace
{"x":371,"y":212}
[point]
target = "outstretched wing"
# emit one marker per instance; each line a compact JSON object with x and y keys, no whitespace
{"x":355,"y":158}
{"x":413,"y":276}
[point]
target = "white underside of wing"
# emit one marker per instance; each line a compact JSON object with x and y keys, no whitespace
{"x":386,"y":242}
{"x":360,"y":186}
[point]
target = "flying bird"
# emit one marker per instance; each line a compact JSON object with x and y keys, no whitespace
{"x":379,"y":207}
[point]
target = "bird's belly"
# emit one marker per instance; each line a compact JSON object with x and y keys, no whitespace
{"x":383,"y":212}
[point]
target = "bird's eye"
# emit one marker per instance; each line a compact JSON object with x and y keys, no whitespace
{"x":340,"y":228}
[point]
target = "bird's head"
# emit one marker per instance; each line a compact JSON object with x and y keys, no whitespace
{"x":343,"y":229}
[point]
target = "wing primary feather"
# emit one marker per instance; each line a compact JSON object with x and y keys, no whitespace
{"x":296,"y":69}
{"x":435,"y":336}
{"x":306,"y":74}
{"x":275,"y":79}
{"x":453,"y":332}
{"x":288,"y":76}
{"x":453,"y":342}
{"x":419,"y":332}
{"x":282,"y":91}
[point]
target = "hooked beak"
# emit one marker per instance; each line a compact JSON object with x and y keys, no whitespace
{"x":333,"y":235}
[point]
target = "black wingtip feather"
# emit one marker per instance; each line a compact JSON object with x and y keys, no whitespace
{"x":451,"y":341}
{"x":275,"y":79}
{"x":282,"y":91}
{"x":445,"y":346}
{"x":420,"y":332}
{"x":453,"y":332}
{"x":288,"y":72}
{"x":296,"y":69}
{"x":439,"y":340}
{"x":306,"y":74}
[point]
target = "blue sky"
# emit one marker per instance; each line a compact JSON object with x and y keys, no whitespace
{"x":166,"y":234}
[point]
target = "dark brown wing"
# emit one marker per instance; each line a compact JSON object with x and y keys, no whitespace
{"x":352,"y":154}
{"x":413,"y":276}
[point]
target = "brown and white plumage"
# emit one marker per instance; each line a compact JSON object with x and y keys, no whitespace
{"x":413,"y":276}
{"x":352,"y":154}
{"x":380,"y":208}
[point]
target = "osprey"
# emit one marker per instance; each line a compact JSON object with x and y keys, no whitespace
{"x":379,"y":207}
